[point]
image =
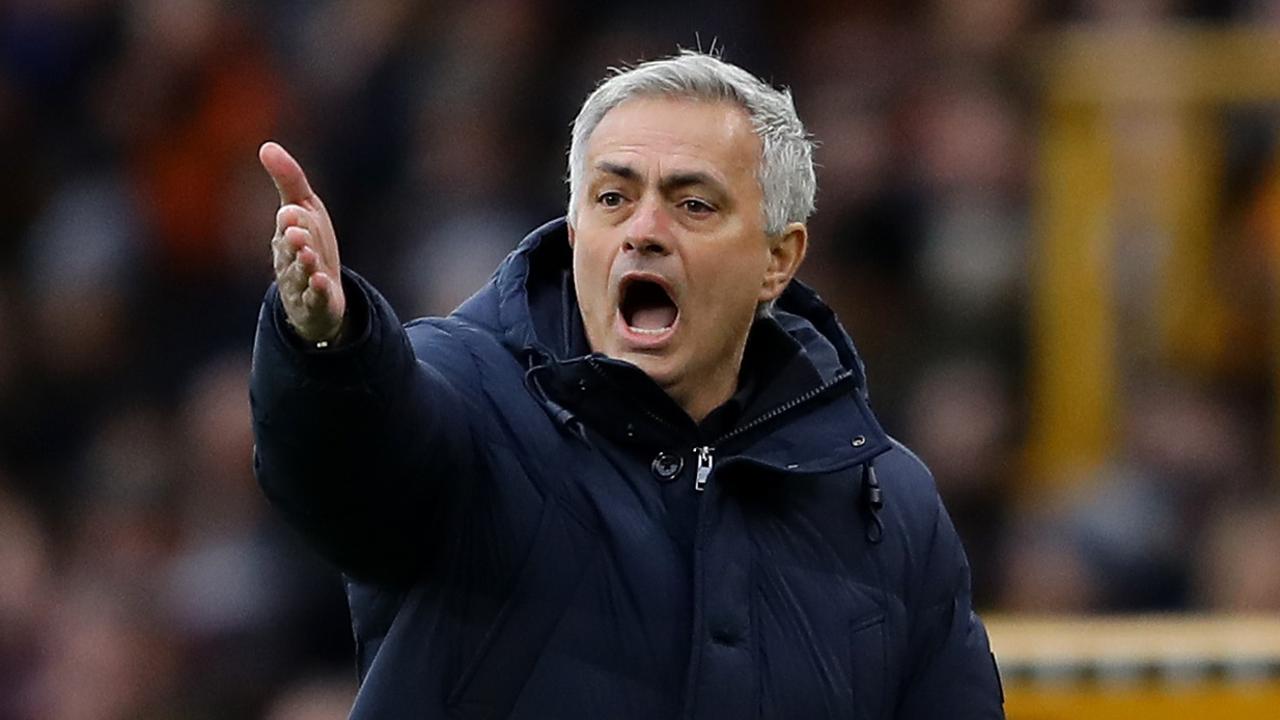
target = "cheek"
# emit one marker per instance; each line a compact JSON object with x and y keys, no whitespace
{"x":729,"y":282}
{"x":721,"y":297}
{"x":581,"y":264}
{"x":591,"y":274}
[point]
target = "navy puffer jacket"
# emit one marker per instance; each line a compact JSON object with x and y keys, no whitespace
{"x":532,"y":531}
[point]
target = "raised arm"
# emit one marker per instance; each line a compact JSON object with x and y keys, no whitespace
{"x":364,"y":447}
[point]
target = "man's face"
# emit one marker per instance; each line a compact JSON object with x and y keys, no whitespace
{"x":670,"y":256}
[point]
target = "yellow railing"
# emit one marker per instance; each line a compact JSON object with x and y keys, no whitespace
{"x":1139,"y":668}
{"x":1131,"y":139}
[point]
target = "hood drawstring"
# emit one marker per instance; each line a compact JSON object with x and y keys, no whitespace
{"x":873,"y":501}
{"x":535,"y":361}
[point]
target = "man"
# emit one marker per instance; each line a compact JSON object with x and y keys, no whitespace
{"x":636,"y":475}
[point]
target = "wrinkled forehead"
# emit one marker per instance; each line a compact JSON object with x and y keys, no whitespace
{"x":719,"y":132}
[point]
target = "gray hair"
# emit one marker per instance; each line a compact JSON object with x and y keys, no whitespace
{"x":785,"y":170}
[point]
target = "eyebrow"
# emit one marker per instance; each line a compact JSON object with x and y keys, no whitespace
{"x":670,"y":182}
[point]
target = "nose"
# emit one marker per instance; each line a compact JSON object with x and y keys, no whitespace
{"x":648,"y":230}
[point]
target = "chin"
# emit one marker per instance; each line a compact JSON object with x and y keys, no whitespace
{"x":659,"y":369}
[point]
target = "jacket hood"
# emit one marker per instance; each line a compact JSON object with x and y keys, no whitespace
{"x":531,"y":304}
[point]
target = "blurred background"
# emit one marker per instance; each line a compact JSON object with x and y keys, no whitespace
{"x":1050,"y":227}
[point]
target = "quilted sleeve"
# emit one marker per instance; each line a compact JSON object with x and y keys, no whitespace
{"x":364,"y":448}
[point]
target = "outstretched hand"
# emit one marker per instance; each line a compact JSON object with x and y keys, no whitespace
{"x":304,"y":251}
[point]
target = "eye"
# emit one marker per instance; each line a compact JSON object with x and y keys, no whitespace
{"x":610,"y":199}
{"x":695,"y":206}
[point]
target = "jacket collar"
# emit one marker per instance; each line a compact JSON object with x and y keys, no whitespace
{"x":539,"y":320}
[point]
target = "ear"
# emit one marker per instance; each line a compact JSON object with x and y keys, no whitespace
{"x":786,"y":252}
{"x":569,"y":227}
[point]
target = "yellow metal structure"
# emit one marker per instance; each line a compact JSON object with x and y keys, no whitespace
{"x":1139,"y":668}
{"x":1130,"y":139}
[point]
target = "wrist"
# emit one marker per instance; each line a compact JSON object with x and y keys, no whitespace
{"x":333,"y":339}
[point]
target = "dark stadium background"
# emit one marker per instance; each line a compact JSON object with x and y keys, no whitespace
{"x":143,"y":576}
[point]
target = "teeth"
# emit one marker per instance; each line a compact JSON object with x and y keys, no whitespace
{"x":648,"y":331}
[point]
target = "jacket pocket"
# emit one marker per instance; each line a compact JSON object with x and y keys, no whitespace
{"x":868,"y":659}
{"x":558,"y":555}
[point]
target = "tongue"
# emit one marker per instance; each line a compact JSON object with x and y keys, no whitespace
{"x":653,"y":317}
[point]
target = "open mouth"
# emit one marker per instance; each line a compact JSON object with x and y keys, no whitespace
{"x":647,"y":307}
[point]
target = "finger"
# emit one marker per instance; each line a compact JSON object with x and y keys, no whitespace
{"x":285,"y":247}
{"x":313,"y":224}
{"x":294,"y":279}
{"x":309,"y":260}
{"x":291,"y":182}
{"x":321,"y":283}
{"x":316,"y":296}
{"x":296,"y":238}
{"x":290,"y":215}
{"x":277,"y":249}
{"x":280,"y":258}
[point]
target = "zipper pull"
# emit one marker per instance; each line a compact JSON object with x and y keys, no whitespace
{"x":705,"y":461}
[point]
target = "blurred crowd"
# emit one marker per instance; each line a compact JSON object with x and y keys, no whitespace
{"x":141,"y":573}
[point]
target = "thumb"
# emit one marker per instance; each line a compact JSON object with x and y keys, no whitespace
{"x":286,"y":173}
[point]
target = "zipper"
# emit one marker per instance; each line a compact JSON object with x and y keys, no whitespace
{"x":795,"y":402}
{"x":706,"y":453}
{"x":705,"y":460}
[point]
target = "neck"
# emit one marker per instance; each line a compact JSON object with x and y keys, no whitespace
{"x":710,"y":391}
